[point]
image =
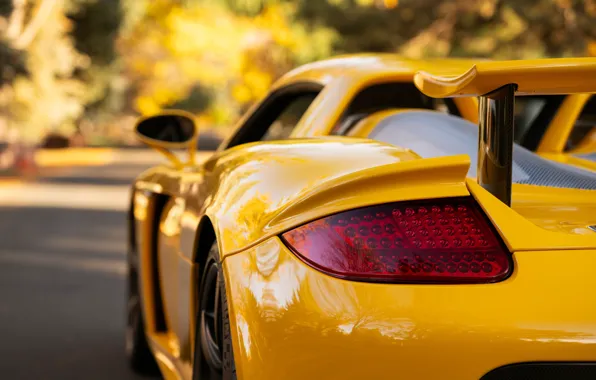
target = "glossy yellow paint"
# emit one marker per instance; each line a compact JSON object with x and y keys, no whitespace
{"x":290,"y":321}
{"x":468,"y":108}
{"x":249,"y":207}
{"x":143,"y":211}
{"x":371,"y":65}
{"x":293,"y":322}
{"x":343,"y":77}
{"x":541,"y":218}
{"x":536,"y":211}
{"x":538,"y":76}
{"x":562,"y":124}
{"x":588,"y":144}
{"x":552,"y":145}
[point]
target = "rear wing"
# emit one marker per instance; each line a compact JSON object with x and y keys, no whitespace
{"x":539,"y":76}
{"x":496,"y":84}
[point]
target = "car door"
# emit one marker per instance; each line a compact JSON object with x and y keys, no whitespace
{"x":168,"y":253}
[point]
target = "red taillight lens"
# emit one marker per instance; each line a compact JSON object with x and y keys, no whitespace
{"x":439,"y":241}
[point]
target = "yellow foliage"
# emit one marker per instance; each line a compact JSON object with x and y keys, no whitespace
{"x":390,"y":3}
{"x":146,"y":105}
{"x":50,"y":97}
{"x":208,"y":45}
{"x":241,"y":93}
{"x":592,"y":48}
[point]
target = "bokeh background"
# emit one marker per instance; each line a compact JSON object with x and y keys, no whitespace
{"x":78,"y":72}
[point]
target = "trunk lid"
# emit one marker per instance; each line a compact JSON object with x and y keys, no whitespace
{"x":560,"y":210}
{"x":541,"y":218}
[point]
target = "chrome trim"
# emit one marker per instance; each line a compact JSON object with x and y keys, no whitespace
{"x":593,"y":228}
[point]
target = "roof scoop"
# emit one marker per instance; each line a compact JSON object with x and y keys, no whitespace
{"x":496,"y":84}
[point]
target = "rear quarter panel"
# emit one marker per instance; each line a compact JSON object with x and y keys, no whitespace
{"x":257,"y":191}
{"x":290,"y":321}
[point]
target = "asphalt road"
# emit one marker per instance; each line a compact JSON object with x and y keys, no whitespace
{"x":62,"y":266}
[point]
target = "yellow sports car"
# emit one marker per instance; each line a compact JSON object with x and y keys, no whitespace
{"x":371,"y":218}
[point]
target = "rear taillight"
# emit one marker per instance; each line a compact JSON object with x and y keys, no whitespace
{"x":439,"y":241}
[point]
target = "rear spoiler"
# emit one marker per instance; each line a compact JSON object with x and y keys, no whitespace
{"x":539,"y":76}
{"x":496,"y":84}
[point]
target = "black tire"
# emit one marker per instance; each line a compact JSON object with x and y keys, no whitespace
{"x":213,"y":355}
{"x":138,"y":353}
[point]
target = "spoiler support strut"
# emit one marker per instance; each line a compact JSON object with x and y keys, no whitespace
{"x":550,"y":76}
{"x":495,"y":141}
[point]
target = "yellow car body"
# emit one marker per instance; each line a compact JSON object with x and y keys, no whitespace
{"x":558,"y":133}
{"x":291,"y":321}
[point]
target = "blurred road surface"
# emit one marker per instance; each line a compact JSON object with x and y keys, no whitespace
{"x":62,"y":265}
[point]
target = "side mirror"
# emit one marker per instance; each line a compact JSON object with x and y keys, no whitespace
{"x":171,"y":129}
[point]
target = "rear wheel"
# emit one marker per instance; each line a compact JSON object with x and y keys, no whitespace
{"x":213,"y":356}
{"x":138,"y":352}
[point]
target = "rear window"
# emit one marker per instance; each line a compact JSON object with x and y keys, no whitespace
{"x":431,"y":134}
{"x":385,"y":96}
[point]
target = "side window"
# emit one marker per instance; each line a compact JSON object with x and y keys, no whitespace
{"x":278,"y":114}
{"x":584,"y":129}
{"x":533,"y":115}
{"x":284,"y":124}
{"x":386,"y":96}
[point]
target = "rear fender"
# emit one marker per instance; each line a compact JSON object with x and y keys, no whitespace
{"x":419,"y":179}
{"x":261,"y":190}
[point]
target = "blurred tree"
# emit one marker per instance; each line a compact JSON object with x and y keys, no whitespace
{"x":236,"y":57}
{"x":96,"y":24}
{"x":12,"y":63}
{"x":49,"y":46}
{"x":235,"y":49}
{"x":48,"y":97}
{"x":507,"y":29}
{"x":65,"y":63}
{"x":198,"y":100}
{"x":484,"y":28}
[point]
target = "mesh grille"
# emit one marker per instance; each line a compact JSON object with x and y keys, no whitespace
{"x":432,"y":134}
{"x":543,"y":172}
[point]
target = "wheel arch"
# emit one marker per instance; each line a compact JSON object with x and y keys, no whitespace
{"x":205,"y":237}
{"x":131,"y":228}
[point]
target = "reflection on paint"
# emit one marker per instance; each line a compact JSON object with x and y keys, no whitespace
{"x":284,"y":312}
{"x":346,"y":328}
{"x":582,"y":333}
{"x":274,"y":291}
{"x":267,"y":256}
{"x":244,"y":333}
{"x":170,"y":225}
{"x":141,"y":202}
{"x":394,"y":328}
{"x":256,"y":182}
